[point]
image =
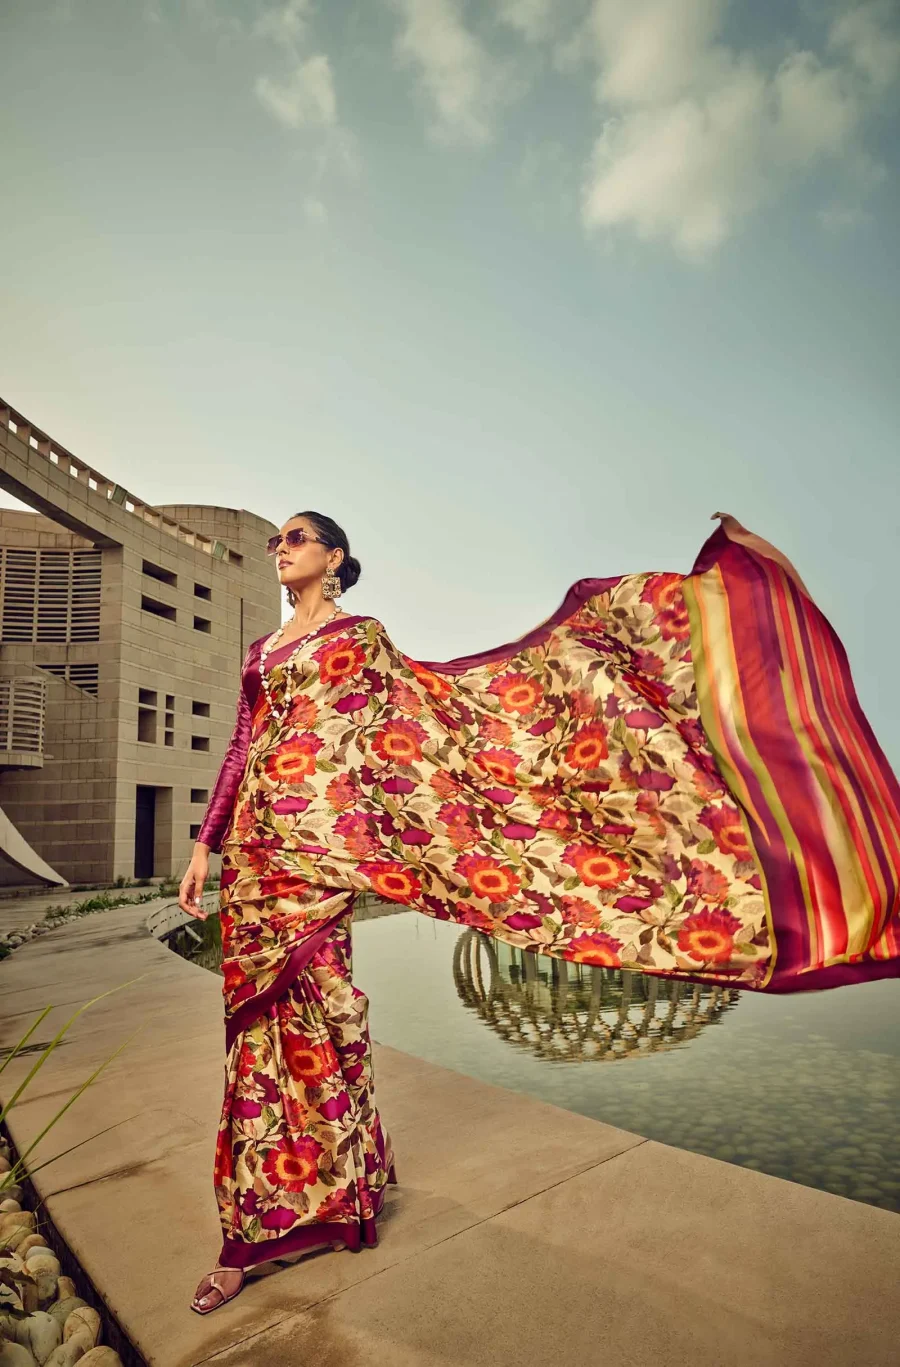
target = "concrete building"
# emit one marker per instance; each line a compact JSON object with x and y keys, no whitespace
{"x":122,"y":630}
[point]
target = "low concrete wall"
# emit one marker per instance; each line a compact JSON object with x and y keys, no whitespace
{"x":519,"y":1233}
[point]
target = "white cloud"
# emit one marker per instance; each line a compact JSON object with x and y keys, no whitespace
{"x":697,"y":135}
{"x":455,"y":71}
{"x":287,"y":23}
{"x":306,"y":98}
{"x":866,"y":37}
{"x":315,"y":210}
{"x":533,"y":19}
{"x":650,"y":51}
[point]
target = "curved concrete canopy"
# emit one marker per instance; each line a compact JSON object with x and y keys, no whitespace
{"x":20,"y":864}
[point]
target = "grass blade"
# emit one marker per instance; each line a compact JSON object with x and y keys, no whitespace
{"x":4,"y":1112}
{"x":75,"y":1095}
{"x":25,"y":1038}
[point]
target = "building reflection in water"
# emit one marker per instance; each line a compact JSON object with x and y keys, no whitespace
{"x":574,"y":1013}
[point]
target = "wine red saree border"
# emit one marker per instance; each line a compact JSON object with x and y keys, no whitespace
{"x":354,"y":1235}
{"x":820,"y":801}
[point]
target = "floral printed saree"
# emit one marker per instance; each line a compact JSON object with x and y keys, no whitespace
{"x":672,"y":774}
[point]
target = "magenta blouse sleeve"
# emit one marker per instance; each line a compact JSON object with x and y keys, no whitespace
{"x":221,"y":804}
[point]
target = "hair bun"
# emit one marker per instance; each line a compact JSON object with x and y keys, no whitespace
{"x":349,"y":571}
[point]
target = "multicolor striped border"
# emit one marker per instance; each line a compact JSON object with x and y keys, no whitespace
{"x":820,"y":802}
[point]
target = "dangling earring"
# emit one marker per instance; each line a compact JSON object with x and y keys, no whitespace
{"x":331,"y":585}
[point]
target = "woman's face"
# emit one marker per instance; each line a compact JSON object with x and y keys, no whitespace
{"x":299,"y":565}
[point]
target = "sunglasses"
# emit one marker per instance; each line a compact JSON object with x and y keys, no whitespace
{"x":295,"y":537}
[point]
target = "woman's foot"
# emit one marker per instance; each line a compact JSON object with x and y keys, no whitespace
{"x":217,"y":1288}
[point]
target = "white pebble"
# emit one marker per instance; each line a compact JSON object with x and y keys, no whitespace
{"x":86,"y":1319}
{"x":41,"y":1334}
{"x":14,"y":1355}
{"x":66,"y":1355}
{"x":42,"y":1260}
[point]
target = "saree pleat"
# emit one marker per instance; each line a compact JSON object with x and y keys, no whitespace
{"x":302,"y":1160}
{"x":672,"y":774}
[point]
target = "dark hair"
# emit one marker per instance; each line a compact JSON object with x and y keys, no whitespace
{"x":334,"y":536}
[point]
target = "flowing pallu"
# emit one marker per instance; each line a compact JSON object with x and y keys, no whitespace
{"x":672,"y":774}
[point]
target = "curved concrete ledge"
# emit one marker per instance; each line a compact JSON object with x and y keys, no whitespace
{"x":520,"y":1233}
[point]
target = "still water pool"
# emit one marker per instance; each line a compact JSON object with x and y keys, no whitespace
{"x":806,"y":1087}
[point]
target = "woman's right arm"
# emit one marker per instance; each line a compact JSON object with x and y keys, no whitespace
{"x":219,"y":808}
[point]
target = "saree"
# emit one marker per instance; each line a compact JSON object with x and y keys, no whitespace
{"x":672,"y":774}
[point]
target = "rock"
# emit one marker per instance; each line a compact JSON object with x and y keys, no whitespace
{"x":15,"y":1225}
{"x":9,"y":1204}
{"x":42,"y":1260}
{"x":4,"y":1160}
{"x":33,"y":1241}
{"x":13,"y":1192}
{"x":85,"y":1317}
{"x":47,"y":1287}
{"x":63,"y":1308}
{"x":15,"y":1355}
{"x":41,"y":1333}
{"x":66,"y":1288}
{"x":81,"y":1340}
{"x":16,"y":1236}
{"x":12,"y":1262}
{"x":66,"y":1355}
{"x":101,"y":1357}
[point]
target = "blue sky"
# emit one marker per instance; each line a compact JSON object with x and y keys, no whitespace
{"x":518,"y":291}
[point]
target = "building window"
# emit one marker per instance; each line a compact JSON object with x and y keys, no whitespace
{"x":199,"y":795}
{"x":199,"y":709}
{"x":146,"y":728}
{"x":235,"y":558}
{"x":199,"y":742}
{"x":157,"y":572}
{"x":50,"y":595}
{"x":195,"y":830}
{"x":83,"y":676}
{"x":202,"y":591}
{"x":157,"y":608}
{"x":147,"y":725}
{"x":202,"y":624}
{"x":169,"y":729}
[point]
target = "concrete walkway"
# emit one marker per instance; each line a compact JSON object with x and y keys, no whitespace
{"x":520,"y":1233}
{"x":30,"y":908}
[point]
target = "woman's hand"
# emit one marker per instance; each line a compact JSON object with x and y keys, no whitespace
{"x":191,"y":889}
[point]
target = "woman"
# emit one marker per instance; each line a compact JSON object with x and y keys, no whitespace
{"x":302,"y":1160}
{"x":672,"y":774}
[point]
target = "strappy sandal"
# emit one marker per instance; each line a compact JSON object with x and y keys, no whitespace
{"x":209,"y":1285}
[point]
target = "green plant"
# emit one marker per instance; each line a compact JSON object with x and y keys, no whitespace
{"x":18,"y":1288}
{"x":18,"y":1167}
